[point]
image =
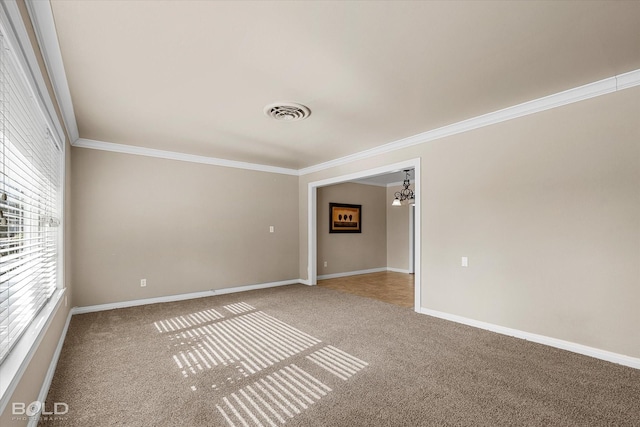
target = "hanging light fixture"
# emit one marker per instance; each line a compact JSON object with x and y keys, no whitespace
{"x":406,"y":193}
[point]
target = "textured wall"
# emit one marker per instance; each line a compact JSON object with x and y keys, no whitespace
{"x":184,"y":227}
{"x":546,"y":207}
{"x":345,"y":252}
{"x":397,"y":232}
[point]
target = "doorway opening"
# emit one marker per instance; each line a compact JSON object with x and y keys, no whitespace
{"x":312,"y":267}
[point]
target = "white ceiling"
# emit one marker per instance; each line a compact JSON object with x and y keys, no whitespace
{"x":193,"y":76}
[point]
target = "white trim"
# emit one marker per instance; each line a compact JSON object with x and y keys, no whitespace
{"x":412,"y":239}
{"x":45,"y":29}
{"x":312,"y":227}
{"x":352,"y":273}
{"x":312,"y":234}
{"x":609,"y":356}
{"x":417,"y":242}
{"x":44,"y":390}
{"x":375,"y":184}
{"x":590,"y":90}
{"x":179,"y":297}
{"x":304,"y":282}
{"x":19,"y":40}
{"x":257,"y":286}
{"x":398,"y":270}
{"x":18,"y":359}
{"x":627,"y":80}
{"x":172,"y":155}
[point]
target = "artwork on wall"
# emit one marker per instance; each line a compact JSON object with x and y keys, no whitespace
{"x":345,"y":218}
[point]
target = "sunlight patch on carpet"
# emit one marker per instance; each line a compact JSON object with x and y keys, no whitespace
{"x":273,"y":399}
{"x":239,"y":308}
{"x":253,"y":343}
{"x":337,"y":362}
{"x":187,"y":321}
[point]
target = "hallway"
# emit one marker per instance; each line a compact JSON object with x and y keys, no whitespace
{"x":387,"y":286}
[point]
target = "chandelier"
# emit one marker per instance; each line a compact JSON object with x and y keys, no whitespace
{"x":405,"y":194}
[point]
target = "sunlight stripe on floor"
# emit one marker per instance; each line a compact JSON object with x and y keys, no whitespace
{"x":235,"y":412}
{"x":339,"y":363}
{"x":254,"y":340}
{"x":225,"y":416}
{"x":269,"y":401}
{"x":239,"y":308}
{"x":187,"y":321}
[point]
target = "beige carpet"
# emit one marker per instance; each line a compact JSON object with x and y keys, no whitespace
{"x":307,"y":356}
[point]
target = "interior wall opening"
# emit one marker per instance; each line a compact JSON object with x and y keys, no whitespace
{"x":407,"y":238}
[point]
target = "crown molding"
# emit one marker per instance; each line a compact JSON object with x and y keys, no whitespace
{"x":172,"y":155}
{"x":44,"y":25}
{"x":627,"y":80}
{"x":580,"y":93}
{"x":570,"y":96}
{"x":42,"y":18}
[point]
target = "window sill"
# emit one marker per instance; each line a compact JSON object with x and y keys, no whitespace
{"x":18,"y":359}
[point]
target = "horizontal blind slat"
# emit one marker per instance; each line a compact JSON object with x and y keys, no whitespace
{"x":31,"y":178}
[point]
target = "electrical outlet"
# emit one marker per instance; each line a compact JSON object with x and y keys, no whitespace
{"x":143,"y":283}
{"x":464,"y":262}
{"x":272,"y":229}
{"x":325,"y":263}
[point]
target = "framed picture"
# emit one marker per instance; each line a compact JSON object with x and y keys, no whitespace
{"x":345,"y":218}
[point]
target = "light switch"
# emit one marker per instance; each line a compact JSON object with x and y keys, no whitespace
{"x":465,"y":261}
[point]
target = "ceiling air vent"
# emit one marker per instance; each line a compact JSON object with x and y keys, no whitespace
{"x":287,"y":111}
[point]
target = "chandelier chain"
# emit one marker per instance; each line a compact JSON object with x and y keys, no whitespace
{"x":406,"y":193}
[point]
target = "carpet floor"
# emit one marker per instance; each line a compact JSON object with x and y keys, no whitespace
{"x":308,"y":356}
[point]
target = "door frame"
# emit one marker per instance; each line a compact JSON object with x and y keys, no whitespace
{"x":312,"y":220}
{"x":412,"y":239}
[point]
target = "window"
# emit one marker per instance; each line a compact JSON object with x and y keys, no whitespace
{"x":31,"y":175}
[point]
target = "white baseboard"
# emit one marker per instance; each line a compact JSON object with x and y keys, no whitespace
{"x":305,"y":281}
{"x":44,"y":390}
{"x":398,"y":270}
{"x":609,"y":356}
{"x":258,"y":286}
{"x":180,"y":297}
{"x":351,"y":273}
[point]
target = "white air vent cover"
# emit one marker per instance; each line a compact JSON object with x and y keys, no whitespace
{"x":287,"y":111}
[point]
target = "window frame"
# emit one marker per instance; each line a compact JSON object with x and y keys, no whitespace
{"x":17,"y":360}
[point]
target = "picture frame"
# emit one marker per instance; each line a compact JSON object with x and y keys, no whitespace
{"x":345,"y":218}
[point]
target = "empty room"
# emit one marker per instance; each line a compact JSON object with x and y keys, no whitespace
{"x":319,"y":213}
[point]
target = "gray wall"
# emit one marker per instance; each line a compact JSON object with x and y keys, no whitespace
{"x":352,"y":251}
{"x":546,"y":207}
{"x":184,"y":227}
{"x":397,"y":232}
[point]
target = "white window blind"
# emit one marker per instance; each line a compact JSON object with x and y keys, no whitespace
{"x":30,"y":195}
